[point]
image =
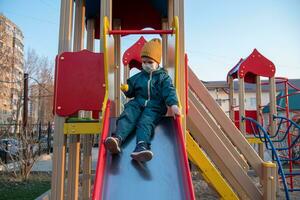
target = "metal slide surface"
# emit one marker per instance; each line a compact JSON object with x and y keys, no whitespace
{"x":161,"y":178}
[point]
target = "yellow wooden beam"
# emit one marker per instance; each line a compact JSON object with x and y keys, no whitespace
{"x":209,"y":171}
{"x":82,"y":128}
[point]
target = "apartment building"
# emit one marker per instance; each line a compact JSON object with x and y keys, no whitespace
{"x":11,"y":69}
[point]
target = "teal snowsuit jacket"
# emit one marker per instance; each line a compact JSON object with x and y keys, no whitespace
{"x":151,"y":93}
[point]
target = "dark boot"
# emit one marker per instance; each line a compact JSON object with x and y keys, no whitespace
{"x":142,"y":152}
{"x":113,"y":144}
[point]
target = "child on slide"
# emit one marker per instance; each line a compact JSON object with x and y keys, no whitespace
{"x":151,"y":91}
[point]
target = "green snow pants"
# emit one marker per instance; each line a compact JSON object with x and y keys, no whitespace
{"x":139,"y":119}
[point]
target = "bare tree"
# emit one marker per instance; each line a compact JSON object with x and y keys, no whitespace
{"x":40,"y":74}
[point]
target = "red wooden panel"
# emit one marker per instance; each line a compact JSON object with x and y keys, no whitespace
{"x":132,"y":56}
{"x":79,"y":82}
{"x":249,"y":113}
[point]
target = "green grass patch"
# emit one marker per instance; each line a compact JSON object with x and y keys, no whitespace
{"x":11,"y":189}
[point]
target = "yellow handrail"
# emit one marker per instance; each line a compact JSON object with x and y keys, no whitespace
{"x":105,"y":52}
{"x":176,"y":28}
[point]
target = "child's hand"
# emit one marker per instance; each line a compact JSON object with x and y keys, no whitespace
{"x":175,"y":111}
{"x":124,"y":87}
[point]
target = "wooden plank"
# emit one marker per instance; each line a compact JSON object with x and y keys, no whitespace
{"x":87,"y":140}
{"x":74,"y":140}
{"x":231,"y":98}
{"x":242,"y":112}
{"x":87,"y":166}
{"x":213,"y":155}
{"x":218,"y":131}
{"x":259,"y":114}
{"x":165,"y":26}
{"x":59,"y":147}
{"x":73,"y":167}
{"x":58,"y":164}
{"x":273,"y":110}
{"x":126,"y":73}
{"x":117,"y":61}
{"x":207,"y":136}
{"x":170,"y":11}
{"x":90,"y":34}
{"x":226,"y":124}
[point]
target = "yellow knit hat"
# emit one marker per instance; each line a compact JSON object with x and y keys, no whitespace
{"x":153,"y":50}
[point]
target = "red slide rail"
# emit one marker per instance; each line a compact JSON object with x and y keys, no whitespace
{"x":186,"y":169}
{"x":98,"y":183}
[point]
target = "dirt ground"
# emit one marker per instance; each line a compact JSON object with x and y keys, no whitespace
{"x":204,"y":192}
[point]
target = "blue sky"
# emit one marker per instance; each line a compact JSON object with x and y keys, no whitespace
{"x":217,"y":33}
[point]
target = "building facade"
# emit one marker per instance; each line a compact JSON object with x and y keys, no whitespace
{"x":219,"y":91}
{"x":11,"y":70}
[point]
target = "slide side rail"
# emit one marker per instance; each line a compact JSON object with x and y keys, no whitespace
{"x":98,"y":183}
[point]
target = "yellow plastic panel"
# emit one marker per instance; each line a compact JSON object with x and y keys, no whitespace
{"x":82,"y":128}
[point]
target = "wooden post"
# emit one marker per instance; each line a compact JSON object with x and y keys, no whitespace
{"x":179,"y":11}
{"x":117,"y":61}
{"x":106,"y":11}
{"x":259,"y":113}
{"x":170,"y":11}
{"x":242,"y":105}
{"x":231,"y":98}
{"x":88,"y":139}
{"x":273,"y":110}
{"x":74,"y":140}
{"x":269,"y":181}
{"x":165,"y":26}
{"x":126,"y":73}
{"x":90,"y":34}
{"x":59,"y":144}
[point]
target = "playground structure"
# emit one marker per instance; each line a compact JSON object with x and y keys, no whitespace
{"x":88,"y":83}
{"x":276,"y":132}
{"x":250,"y":70}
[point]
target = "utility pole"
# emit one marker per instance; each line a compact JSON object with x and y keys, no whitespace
{"x":25,"y":106}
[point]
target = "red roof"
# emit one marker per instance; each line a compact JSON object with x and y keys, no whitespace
{"x":254,"y":65}
{"x":132,"y":56}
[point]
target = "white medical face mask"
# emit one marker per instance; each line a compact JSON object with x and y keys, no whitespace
{"x":150,"y":67}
